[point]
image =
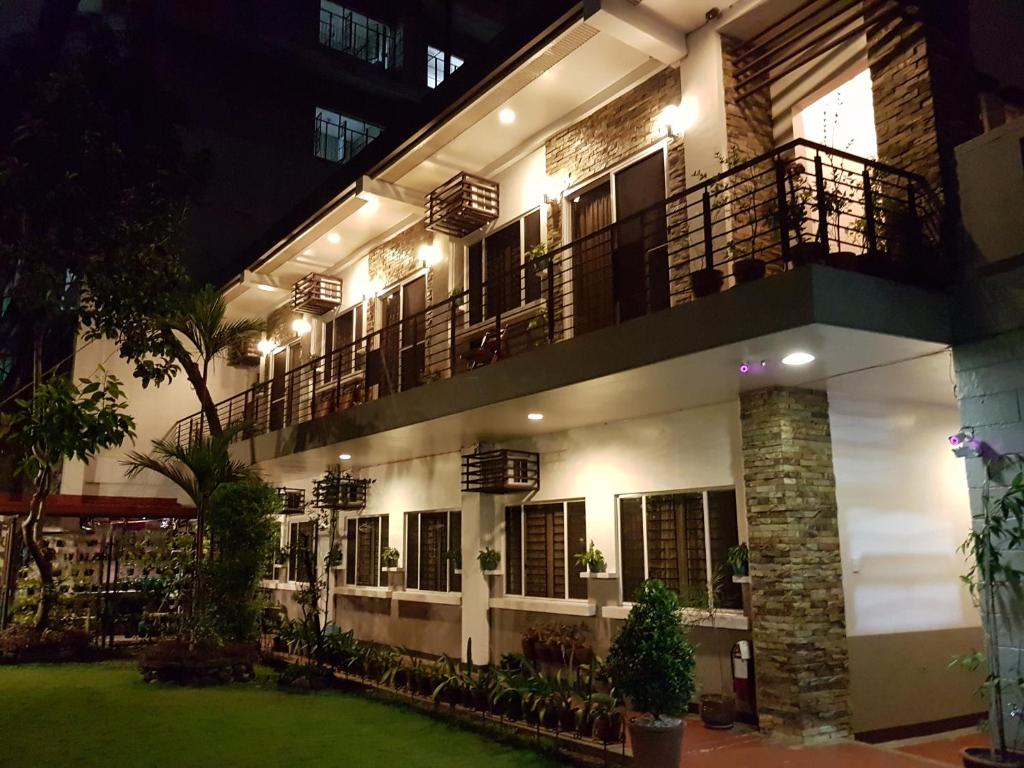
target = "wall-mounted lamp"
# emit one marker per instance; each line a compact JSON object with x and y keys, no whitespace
{"x":966,"y":446}
{"x":556,"y":186}
{"x":430,"y":255}
{"x":675,"y":119}
{"x":265,"y":346}
{"x":301,"y":326}
{"x":374,"y":288}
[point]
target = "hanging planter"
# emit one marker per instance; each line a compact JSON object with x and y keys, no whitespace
{"x":340,"y":491}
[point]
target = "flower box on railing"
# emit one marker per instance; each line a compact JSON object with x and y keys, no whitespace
{"x":462,"y":205}
{"x":500,"y":471}
{"x":316,"y":294}
{"x":293,"y":500}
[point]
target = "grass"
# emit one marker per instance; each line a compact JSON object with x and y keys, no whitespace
{"x":103,"y":715}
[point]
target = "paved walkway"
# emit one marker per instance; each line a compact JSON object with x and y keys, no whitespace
{"x":740,"y":748}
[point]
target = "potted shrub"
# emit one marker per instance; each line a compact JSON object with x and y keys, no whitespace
{"x":706,"y":281}
{"x":747,"y":270}
{"x":389,"y":557}
{"x":489,"y":559}
{"x":995,"y":579}
{"x":652,"y":664}
{"x":455,"y":558}
{"x":738,"y":558}
{"x":592,"y":560}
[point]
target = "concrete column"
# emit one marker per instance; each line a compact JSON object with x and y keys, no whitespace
{"x":479,"y":530}
{"x":798,"y":622}
{"x":703,"y":102}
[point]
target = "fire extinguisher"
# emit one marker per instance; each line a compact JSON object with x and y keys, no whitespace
{"x":743,"y":676}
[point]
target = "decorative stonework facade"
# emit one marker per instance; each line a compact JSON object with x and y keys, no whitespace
{"x":797,"y":605}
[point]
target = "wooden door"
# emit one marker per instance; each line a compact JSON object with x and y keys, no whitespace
{"x":593,"y":300}
{"x":414,"y":338}
{"x":390,"y":341}
{"x":640,"y":261}
{"x":278,"y":387}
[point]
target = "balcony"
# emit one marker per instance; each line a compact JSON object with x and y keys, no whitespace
{"x":800,"y":204}
{"x":356,"y":35}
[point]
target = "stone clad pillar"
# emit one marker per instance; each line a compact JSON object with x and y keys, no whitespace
{"x":797,"y":610}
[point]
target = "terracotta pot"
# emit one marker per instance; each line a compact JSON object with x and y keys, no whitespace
{"x":718,"y":711}
{"x":807,"y":253}
{"x":983,"y":757}
{"x":748,"y":270}
{"x":656,"y":743}
{"x":706,"y":282}
{"x":608,"y":727}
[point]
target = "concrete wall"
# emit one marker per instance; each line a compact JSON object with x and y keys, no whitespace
{"x":903,"y":511}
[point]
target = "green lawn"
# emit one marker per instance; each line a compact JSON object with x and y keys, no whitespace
{"x":104,"y":716}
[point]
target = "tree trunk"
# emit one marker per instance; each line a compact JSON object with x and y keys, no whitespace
{"x":30,"y":529}
{"x":198,"y":382}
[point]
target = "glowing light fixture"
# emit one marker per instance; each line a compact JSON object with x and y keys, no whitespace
{"x":675,"y":119}
{"x":345,"y":456}
{"x":430,"y":255}
{"x":333,"y":238}
{"x":798,"y":358}
{"x":267,"y":288}
{"x":266,"y":346}
{"x":374,"y":288}
{"x":507,"y":116}
{"x":556,"y":185}
{"x":744,"y":368}
{"x":301,"y":326}
{"x":535,"y":416}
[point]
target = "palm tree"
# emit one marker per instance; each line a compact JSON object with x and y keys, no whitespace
{"x":197,"y":332}
{"x":198,"y":468}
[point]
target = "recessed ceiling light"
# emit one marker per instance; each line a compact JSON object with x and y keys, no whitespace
{"x":333,"y":238}
{"x":267,"y":288}
{"x":798,"y":358}
{"x":345,"y":456}
{"x":535,"y":416}
{"x":507,"y":116}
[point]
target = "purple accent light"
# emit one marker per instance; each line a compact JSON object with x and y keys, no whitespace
{"x":954,"y":440}
{"x":744,"y":368}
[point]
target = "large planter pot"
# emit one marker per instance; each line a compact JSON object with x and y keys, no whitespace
{"x":748,"y":270}
{"x":656,"y":743}
{"x":807,"y":253}
{"x":983,"y":757}
{"x":706,"y":282}
{"x":718,"y":711}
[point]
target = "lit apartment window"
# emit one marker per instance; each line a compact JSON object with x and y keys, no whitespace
{"x":431,"y":541}
{"x":355,"y":34}
{"x":300,"y":551}
{"x":541,"y":544}
{"x":339,"y":138}
{"x":435,"y":66}
{"x":342,"y":337}
{"x":365,"y":538}
{"x":681,"y":539}
{"x":494,"y":267}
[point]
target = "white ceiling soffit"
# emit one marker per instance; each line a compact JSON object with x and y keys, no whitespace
{"x":638,"y":26}
{"x":566,"y":44}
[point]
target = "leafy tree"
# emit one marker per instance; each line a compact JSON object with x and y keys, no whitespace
{"x":63,"y":421}
{"x":242,"y":535}
{"x":651,"y":661}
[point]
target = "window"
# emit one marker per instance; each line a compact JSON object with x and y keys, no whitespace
{"x":365,"y":537}
{"x":429,"y":539}
{"x":681,"y":539}
{"x":494,"y":268}
{"x":301,"y":554}
{"x":338,"y":137}
{"x":541,"y":542}
{"x":435,"y":66}
{"x":341,"y":336}
{"x":357,"y":35}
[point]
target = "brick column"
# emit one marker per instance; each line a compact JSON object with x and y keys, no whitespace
{"x":797,"y":615}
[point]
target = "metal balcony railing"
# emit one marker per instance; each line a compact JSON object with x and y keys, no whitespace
{"x":801,"y":203}
{"x":357,"y":35}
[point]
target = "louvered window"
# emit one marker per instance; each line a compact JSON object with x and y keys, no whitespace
{"x":431,"y":539}
{"x":541,"y":542}
{"x":365,"y":537}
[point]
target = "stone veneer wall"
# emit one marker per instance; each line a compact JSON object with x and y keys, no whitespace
{"x":924,"y":94}
{"x":797,"y":608}
{"x":612,"y":134}
{"x":397,"y":259}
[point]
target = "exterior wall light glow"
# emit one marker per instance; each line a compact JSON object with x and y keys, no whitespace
{"x":556,"y":185}
{"x":798,"y":358}
{"x":267,"y":288}
{"x":333,"y":238}
{"x":507,"y":116}
{"x":265,"y":346}
{"x":345,"y":456}
{"x":535,"y":416}
{"x":374,"y":288}
{"x":430,"y":255}
{"x":301,"y":326}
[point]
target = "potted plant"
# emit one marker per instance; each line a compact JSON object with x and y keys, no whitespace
{"x":458,"y":298}
{"x":994,"y":579}
{"x":592,"y":560}
{"x":454,"y":556}
{"x":489,"y":559}
{"x":706,"y":281}
{"x":738,"y":558}
{"x":652,"y":663}
{"x":389,"y":557}
{"x":537,"y":258}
